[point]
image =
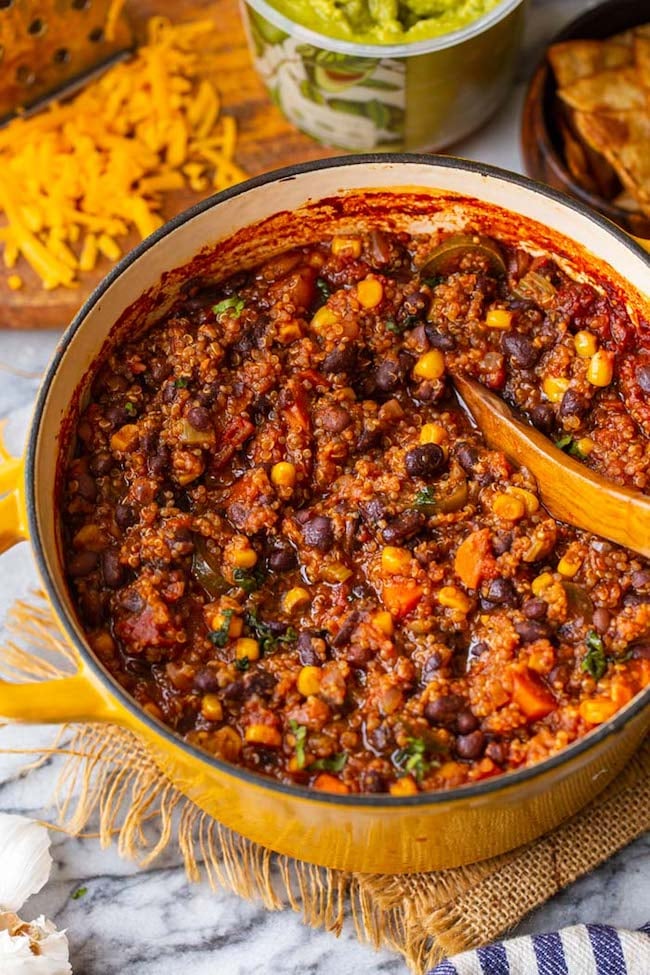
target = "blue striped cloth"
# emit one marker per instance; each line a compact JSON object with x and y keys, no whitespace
{"x":585,"y":949}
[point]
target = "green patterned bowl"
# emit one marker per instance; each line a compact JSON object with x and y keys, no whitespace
{"x":422,"y":95}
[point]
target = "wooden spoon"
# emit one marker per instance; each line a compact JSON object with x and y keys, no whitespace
{"x":570,"y":491}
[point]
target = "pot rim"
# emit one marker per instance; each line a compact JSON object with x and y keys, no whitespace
{"x":476,"y":790}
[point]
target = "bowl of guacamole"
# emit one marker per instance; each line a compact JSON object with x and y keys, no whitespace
{"x":396,"y":75}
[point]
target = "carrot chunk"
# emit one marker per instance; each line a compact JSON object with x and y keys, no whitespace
{"x":531,"y":695}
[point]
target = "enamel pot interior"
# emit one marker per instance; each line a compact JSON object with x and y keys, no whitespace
{"x":242,"y":226}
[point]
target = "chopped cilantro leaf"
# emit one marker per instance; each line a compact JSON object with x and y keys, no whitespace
{"x":242,"y":663}
{"x":425,"y":499}
{"x":181,"y":383}
{"x":235,"y":304}
{"x":434,"y":281}
{"x":220,"y":637}
{"x":79,"y":893}
{"x":269,"y":641}
{"x":130,"y":408}
{"x":324,"y":288}
{"x":245,"y":580}
{"x":594,"y":661}
{"x":413,"y":758}
{"x":335,"y":763}
{"x":299,"y":731}
{"x":395,"y":327}
{"x":570,"y":446}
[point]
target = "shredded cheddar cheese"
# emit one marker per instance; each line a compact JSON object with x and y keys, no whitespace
{"x":86,"y":172}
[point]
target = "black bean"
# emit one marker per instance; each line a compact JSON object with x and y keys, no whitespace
{"x":159,"y":463}
{"x":640,"y":578}
{"x":149,"y":441}
{"x":117,"y":415}
{"x":643,"y":379}
{"x":208,"y":394}
{"x":234,"y":691}
{"x":636,"y":598}
{"x":86,"y":487}
{"x":206,"y":681}
{"x":101,"y":463}
{"x":424,"y":461}
{"x":407,"y":524}
{"x":261,"y":683}
{"x":369,"y":437}
{"x":372,"y":781}
{"x":601,"y":619}
{"x":466,"y":722}
{"x":199,"y":418}
{"x":307,"y":652}
{"x":319,"y":533}
{"x":131,"y":601}
{"x":529,"y":631}
{"x":641,"y":651}
{"x":520,"y":349}
{"x":502,"y":592}
{"x":535,"y":608}
{"x":389,"y":375}
{"x":471,"y":746}
{"x":82,"y":564}
{"x":282,"y":558}
{"x":112,"y":570}
{"x":347,"y":629}
{"x":125,"y":516}
{"x":159,"y":369}
{"x":335,"y":418}
{"x":476,"y":650}
{"x":467,"y":456}
{"x":497,"y":751}
{"x":574,"y":404}
{"x":502,"y":543}
{"x":430,"y":392}
{"x":372,"y":511}
{"x":169,"y":393}
{"x":543,"y":416}
{"x":431,"y":665}
{"x":439,"y":340}
{"x":341,"y":359}
{"x":444,"y":710}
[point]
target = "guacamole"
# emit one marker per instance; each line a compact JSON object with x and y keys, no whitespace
{"x":384,"y":21}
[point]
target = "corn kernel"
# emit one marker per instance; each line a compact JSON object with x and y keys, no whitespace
{"x":383,"y":622}
{"x":395,"y":561}
{"x":585,"y":445}
{"x":323,"y":320}
{"x":309,"y":681}
{"x":246,"y":648}
{"x":335,"y":572}
{"x":530,"y":500}
{"x":215,"y":621}
{"x":403,"y":787}
{"x":283,"y":474}
{"x":294,"y":598}
{"x":454,"y":598}
{"x":541,"y":583}
{"x":555,"y":387}
{"x":370,"y":291}
{"x":102,"y":642}
{"x":263,"y":734}
{"x":329,"y":783}
{"x":15,"y":282}
{"x":595,"y":712}
{"x":498,"y":318}
{"x":346,"y":246}
{"x":238,"y":552}
{"x":211,"y":707}
{"x":433,"y":433}
{"x":227,"y":743}
{"x":125,"y":438}
{"x":289,"y":332}
{"x":600,"y":370}
{"x":296,"y":764}
{"x":621,"y":693}
{"x":509,"y":507}
{"x":585,"y":343}
{"x":568,"y":565}
{"x":431,"y":365}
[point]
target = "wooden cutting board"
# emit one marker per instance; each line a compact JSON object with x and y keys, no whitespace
{"x":266,"y":141}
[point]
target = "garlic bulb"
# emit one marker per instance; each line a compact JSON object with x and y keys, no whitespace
{"x":25,"y":858}
{"x":27,"y":947}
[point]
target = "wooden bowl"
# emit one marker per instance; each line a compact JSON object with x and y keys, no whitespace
{"x":541,"y":140}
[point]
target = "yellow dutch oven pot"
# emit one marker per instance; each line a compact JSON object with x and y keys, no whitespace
{"x":238,"y":228}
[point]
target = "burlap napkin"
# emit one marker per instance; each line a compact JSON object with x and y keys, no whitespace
{"x":110,"y":785}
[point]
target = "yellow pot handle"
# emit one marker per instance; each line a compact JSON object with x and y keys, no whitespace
{"x":74,"y":698}
{"x":642,"y":241}
{"x":13,"y":514}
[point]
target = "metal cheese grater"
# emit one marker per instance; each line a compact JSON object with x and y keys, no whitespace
{"x":50,"y":48}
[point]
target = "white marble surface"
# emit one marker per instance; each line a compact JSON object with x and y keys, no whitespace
{"x":153,"y":922}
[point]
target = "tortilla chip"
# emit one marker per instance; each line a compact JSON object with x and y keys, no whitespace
{"x":572,"y":60}
{"x":608,"y":92}
{"x":624,"y":140}
{"x":642,"y":59}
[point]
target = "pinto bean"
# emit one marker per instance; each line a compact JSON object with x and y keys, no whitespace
{"x":199,"y":418}
{"x":601,"y":619}
{"x":466,"y":722}
{"x":335,"y":418}
{"x":535,"y":608}
{"x":470,"y":746}
{"x":205,"y":680}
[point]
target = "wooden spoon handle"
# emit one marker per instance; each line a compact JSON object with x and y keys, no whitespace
{"x":569,"y":490}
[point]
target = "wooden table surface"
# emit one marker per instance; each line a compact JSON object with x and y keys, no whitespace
{"x":266,"y":141}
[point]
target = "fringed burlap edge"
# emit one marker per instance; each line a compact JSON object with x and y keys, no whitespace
{"x":109,"y":786}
